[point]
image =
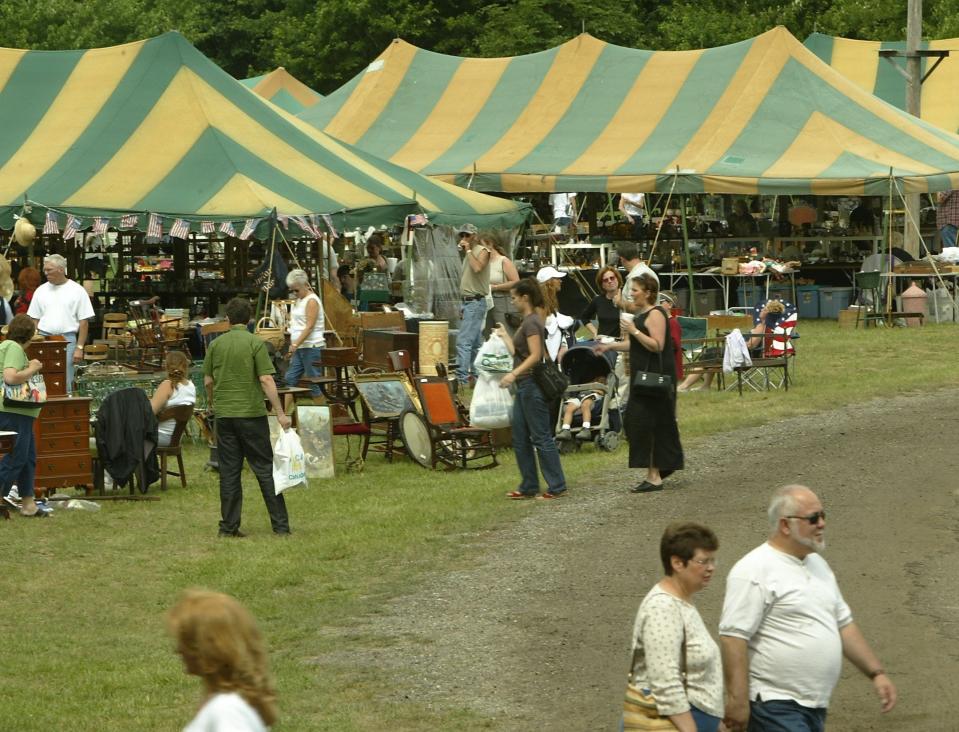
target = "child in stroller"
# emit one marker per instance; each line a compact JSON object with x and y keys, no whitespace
{"x":591,"y":395}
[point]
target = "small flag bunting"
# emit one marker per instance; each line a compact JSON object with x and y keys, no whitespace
{"x":129,"y":221}
{"x":329,"y":224}
{"x":207,"y":227}
{"x":248,"y":228}
{"x":100,"y":225}
{"x":51,"y":225}
{"x":73,"y":226}
{"x":155,"y":227}
{"x":180,"y":229}
{"x":227,"y":228}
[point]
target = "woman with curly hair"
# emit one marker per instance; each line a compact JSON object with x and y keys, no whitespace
{"x":175,"y":390}
{"x":218,"y":640}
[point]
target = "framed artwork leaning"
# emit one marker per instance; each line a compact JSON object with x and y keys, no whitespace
{"x":315,"y":427}
{"x":387,"y":395}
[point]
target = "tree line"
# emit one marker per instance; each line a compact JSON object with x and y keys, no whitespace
{"x":326,"y":42}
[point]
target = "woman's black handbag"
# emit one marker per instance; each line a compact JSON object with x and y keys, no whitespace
{"x":550,"y":380}
{"x":652,"y":383}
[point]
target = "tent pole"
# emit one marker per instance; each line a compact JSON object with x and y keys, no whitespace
{"x":887,"y":254}
{"x":689,"y":258}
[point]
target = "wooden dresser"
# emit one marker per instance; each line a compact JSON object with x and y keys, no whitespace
{"x":63,"y":428}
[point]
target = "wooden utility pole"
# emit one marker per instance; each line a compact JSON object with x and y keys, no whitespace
{"x":914,"y":107}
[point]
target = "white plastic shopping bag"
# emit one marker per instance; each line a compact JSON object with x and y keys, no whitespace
{"x":493,"y":357}
{"x":289,"y":461}
{"x":491,"y":406}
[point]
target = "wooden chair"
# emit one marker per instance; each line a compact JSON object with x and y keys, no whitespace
{"x":211,"y":331}
{"x":454,"y":443}
{"x":96,"y":352}
{"x":182,"y":413}
{"x":114,"y":325}
{"x":402,"y":361}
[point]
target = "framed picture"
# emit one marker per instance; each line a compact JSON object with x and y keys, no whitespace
{"x":386,"y":396}
{"x":315,"y":427}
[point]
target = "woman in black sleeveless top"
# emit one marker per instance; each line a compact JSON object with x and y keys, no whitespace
{"x":650,"y":418}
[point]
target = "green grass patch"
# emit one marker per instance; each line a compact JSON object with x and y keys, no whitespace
{"x":84,"y":593}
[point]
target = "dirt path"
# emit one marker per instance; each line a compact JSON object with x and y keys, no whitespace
{"x":534,"y":634}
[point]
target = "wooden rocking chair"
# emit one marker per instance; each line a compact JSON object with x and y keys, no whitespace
{"x":454,"y":443}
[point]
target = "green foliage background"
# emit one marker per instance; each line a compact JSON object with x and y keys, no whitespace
{"x":326,"y":42}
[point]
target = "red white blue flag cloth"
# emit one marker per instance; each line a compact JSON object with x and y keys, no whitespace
{"x":207,"y":227}
{"x":51,"y":225}
{"x":306,"y":225}
{"x":419,"y":219}
{"x":100,"y":225}
{"x":227,"y":228}
{"x":180,"y":229}
{"x":248,"y":228}
{"x":155,"y":227}
{"x":779,"y":327}
{"x":129,"y":221}
{"x":328,"y":220}
{"x":73,"y":226}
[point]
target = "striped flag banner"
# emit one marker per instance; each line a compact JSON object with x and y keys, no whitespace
{"x":306,"y":226}
{"x":180,"y":229}
{"x":227,"y":228}
{"x":129,"y":221}
{"x":248,"y":228}
{"x":51,"y":225}
{"x":284,"y":220}
{"x":73,"y":226}
{"x":100,"y":225}
{"x":155,"y":227}
{"x":207,"y":227}
{"x":329,"y":225}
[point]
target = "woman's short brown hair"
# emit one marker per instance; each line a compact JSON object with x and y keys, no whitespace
{"x":28,"y":279}
{"x":21,"y":329}
{"x":682,"y":539}
{"x":650,"y":285}
{"x":602,"y":273}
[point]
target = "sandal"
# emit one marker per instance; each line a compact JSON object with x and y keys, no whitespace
{"x":550,"y":496}
{"x":519,"y":495}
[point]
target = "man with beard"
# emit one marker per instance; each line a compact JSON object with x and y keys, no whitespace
{"x":785,"y":627}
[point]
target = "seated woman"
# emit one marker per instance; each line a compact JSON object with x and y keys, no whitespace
{"x":175,"y":390}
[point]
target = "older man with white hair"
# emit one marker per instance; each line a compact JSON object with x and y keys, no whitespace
{"x":62,"y":307}
{"x":785,"y":626}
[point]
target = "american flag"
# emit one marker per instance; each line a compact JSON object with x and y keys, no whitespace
{"x":207,"y":227}
{"x":779,"y":328}
{"x":248,"y":228}
{"x":73,"y":226}
{"x":155,"y":227}
{"x":51,"y":225}
{"x":329,"y":225}
{"x":129,"y":221}
{"x":284,"y":220}
{"x":227,"y":228}
{"x":100,"y":225}
{"x":180,"y":229}
{"x":417,"y":219}
{"x":306,"y":226}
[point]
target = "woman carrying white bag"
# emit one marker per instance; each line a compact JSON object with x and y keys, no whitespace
{"x":491,"y":407}
{"x":289,"y":461}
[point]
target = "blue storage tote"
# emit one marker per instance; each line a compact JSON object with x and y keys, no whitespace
{"x":832,"y":300}
{"x":751,"y":292}
{"x":808,"y":301}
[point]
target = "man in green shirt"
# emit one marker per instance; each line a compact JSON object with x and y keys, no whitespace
{"x":237,"y":372}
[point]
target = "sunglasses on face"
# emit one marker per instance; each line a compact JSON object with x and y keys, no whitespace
{"x":812,"y":518}
{"x":609,"y":279}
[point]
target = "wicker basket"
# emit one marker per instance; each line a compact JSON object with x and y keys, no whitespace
{"x":267,"y":331}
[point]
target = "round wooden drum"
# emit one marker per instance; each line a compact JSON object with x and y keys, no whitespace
{"x":434,"y":345}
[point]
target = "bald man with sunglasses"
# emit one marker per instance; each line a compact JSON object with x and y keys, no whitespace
{"x":785,"y":627}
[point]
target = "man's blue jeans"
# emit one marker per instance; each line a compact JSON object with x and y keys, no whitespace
{"x":470,"y":337}
{"x":785,"y":715}
{"x":18,"y":466}
{"x":301,"y":364}
{"x":947,"y":235}
{"x":531,"y":429}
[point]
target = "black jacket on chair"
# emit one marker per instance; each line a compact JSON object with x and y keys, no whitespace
{"x":127,"y":436}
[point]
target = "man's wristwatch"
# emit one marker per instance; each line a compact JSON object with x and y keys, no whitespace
{"x":79,"y":348}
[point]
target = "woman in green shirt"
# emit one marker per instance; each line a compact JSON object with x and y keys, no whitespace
{"x":20,"y":464}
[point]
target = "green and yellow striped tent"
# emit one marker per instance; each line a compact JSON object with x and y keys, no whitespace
{"x":859,"y":61}
{"x":154,"y":127}
{"x":284,"y":90}
{"x":761,"y":116}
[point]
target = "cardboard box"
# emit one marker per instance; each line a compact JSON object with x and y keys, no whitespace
{"x":847,"y":317}
{"x":730,"y":266}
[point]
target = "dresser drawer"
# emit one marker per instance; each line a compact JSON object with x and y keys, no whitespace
{"x":60,"y":444}
{"x":75,"y":426}
{"x":48,"y":351}
{"x":65,"y":466}
{"x":57,"y":410}
{"x":56,"y":384}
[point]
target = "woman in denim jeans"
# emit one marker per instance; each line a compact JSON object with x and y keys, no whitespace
{"x":531,"y":413}
{"x":306,"y":330}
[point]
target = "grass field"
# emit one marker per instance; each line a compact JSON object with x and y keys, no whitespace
{"x":84,"y":593}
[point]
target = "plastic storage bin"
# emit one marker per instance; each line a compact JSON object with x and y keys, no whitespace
{"x":808,"y":301}
{"x":781,"y":291}
{"x":706,"y":301}
{"x":832,"y":300}
{"x":750,"y":293}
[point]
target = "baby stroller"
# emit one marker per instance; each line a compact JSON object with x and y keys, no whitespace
{"x":587,"y":371}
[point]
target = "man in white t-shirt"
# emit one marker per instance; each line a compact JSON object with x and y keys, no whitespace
{"x":629,"y":258}
{"x":633,"y":207}
{"x":785,"y":626}
{"x":62,"y":307}
{"x":564,"y":209}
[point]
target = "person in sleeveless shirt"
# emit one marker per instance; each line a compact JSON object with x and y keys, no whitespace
{"x":306,"y":330}
{"x":502,"y":277}
{"x":175,"y":390}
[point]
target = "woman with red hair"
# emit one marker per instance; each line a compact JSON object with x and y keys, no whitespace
{"x":28,"y":281}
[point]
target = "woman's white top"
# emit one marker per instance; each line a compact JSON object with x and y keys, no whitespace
{"x":226,"y":713}
{"x":182,"y":394}
{"x":555,"y":324}
{"x":496,"y":274}
{"x":298,"y":322}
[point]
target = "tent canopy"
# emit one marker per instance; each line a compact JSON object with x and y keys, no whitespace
{"x":761,"y":116}
{"x":859,"y":61}
{"x":154,"y":126}
{"x":284,"y":90}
